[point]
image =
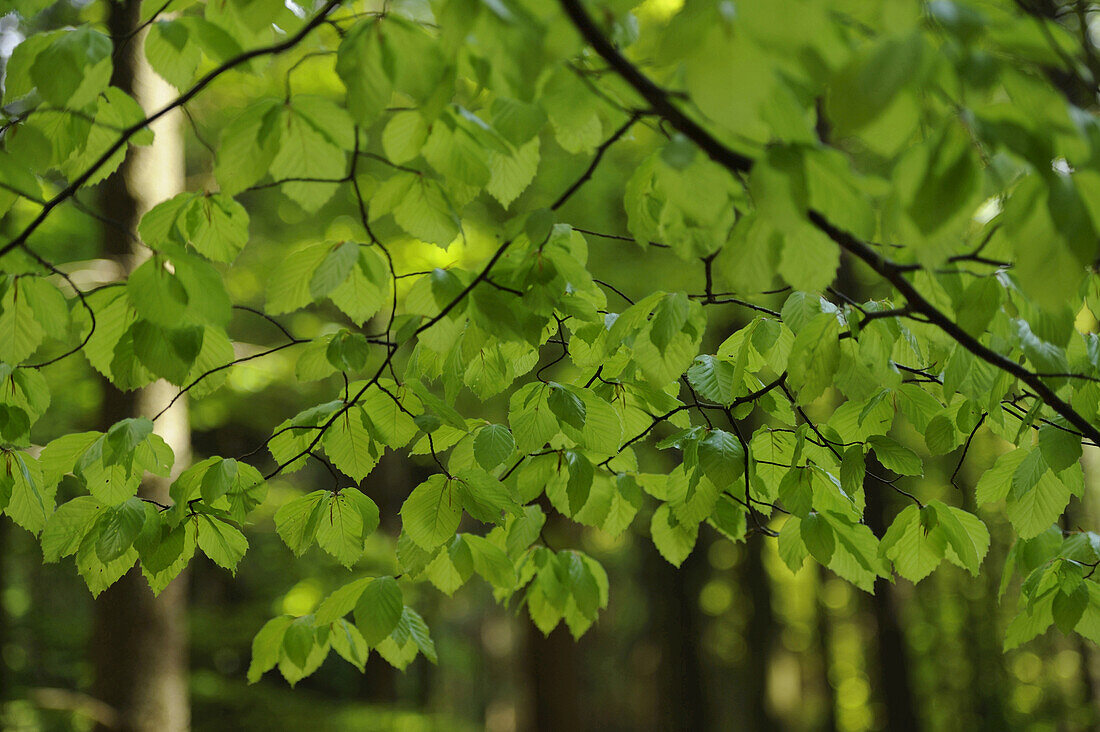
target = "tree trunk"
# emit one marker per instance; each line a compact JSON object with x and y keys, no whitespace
{"x":893,"y":678}
{"x":553,"y":666}
{"x":554,"y":663}
{"x":825,"y":653}
{"x":139,"y":643}
{"x":675,"y":629}
{"x":5,"y":677}
{"x":987,"y":660}
{"x":1077,"y":515}
{"x":759,"y":636}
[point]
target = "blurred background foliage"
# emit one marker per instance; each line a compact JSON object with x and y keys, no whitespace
{"x":733,"y":640}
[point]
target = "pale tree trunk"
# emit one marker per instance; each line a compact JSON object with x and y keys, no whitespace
{"x":139,"y":643}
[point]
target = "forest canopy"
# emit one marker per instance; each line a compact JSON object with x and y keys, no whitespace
{"x":876,"y":224}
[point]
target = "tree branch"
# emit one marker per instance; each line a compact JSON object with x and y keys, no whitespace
{"x":740,"y":164}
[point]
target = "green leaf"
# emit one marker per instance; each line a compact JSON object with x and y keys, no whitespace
{"x":1069,"y":607}
{"x":510,"y":175}
{"x":224,"y":544}
{"x":217,"y":226}
{"x":673,"y":540}
{"x":425,"y":213}
{"x":288,"y":287}
{"x":20,"y":332}
{"x":1033,"y":509}
{"x":431,"y":513}
{"x":297,"y":521}
{"x":169,"y":353}
{"x":722,"y":458}
{"x":378,"y":610}
{"x":266,"y":647}
{"x":116,"y":529}
{"x":418,"y":631}
{"x":349,"y":445}
{"x":404,"y":135}
{"x":713,"y":378}
{"x":493,"y":444}
{"x":74,"y":68}
{"x":348,"y":642}
{"x":1060,"y":447}
{"x":810,"y":259}
{"x":817,"y":535}
{"x":308,"y":151}
{"x":855,"y":557}
{"x":532,"y":421}
{"x":566,"y":406}
{"x":965,"y":534}
{"x":350,"y":518}
{"x":864,"y":88}
{"x":895,"y":456}
{"x":815,"y":357}
{"x":366,"y":289}
{"x":247,"y":147}
{"x":333,"y":269}
{"x":298,"y":640}
{"x":796,"y":491}
{"x":171,"y":53}
{"x":29,"y":502}
{"x":491,"y":562}
{"x":996,"y":482}
{"x":67,"y":526}
{"x":218,"y":479}
{"x":579,"y":484}
{"x":915,"y":548}
{"x":341,"y":602}
{"x":362,"y":68}
{"x":940,"y":435}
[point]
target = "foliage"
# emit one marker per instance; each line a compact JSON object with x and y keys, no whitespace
{"x":947,"y":150}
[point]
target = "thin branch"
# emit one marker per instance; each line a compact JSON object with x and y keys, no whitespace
{"x":289,"y":336}
{"x":83,"y":301}
{"x":587,"y":175}
{"x":275,"y":434}
{"x":223,"y":367}
{"x":614,"y":289}
{"x":723,"y":300}
{"x":966,"y":449}
{"x":619,"y":237}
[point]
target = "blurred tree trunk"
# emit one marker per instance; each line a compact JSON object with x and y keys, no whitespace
{"x":987,"y":658}
{"x":5,"y":676}
{"x":139,"y":643}
{"x":1077,"y":517}
{"x":388,"y":484}
{"x":825,"y":652}
{"x":553,"y":669}
{"x":675,"y":628}
{"x":759,"y":635}
{"x":893,"y":677}
{"x":554,"y":661}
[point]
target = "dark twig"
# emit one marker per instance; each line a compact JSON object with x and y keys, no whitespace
{"x":603,"y":148}
{"x":966,"y":449}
